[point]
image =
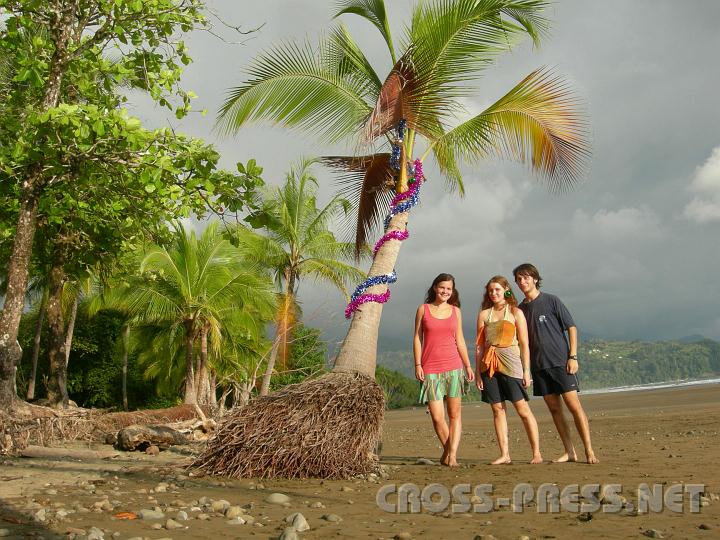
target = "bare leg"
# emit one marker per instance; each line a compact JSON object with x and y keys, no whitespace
{"x":437,"y":414}
{"x":455,"y":430}
{"x":572,"y":401}
{"x":531,"y":428}
{"x":501,"y":432}
{"x":555,"y":406}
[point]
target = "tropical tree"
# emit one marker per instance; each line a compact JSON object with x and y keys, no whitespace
{"x":193,"y":288}
{"x":298,"y":244}
{"x":332,"y":90}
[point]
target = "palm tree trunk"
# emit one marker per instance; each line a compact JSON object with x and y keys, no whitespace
{"x":190,"y":392}
{"x":71,"y":329}
{"x":57,"y":381}
{"x":202,"y":383}
{"x":283,"y":325}
{"x":359,"y":349}
{"x":126,"y":347}
{"x":36,"y":346}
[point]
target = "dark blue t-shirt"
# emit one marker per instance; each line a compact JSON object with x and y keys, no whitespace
{"x":547,"y":320}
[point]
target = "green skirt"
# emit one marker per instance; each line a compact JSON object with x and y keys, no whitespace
{"x":441,"y":385}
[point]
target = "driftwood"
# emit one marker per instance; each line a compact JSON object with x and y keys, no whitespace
{"x":35,"y":425}
{"x":46,"y":452}
{"x":140,"y":437}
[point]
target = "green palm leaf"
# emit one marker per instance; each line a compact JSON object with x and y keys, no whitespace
{"x":291,"y":85}
{"x":536,"y":122}
{"x":373,"y":11}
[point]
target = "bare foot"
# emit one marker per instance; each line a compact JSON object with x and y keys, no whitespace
{"x":566,"y":457}
{"x":444,"y":458}
{"x":502,"y":460}
{"x":591,"y":459}
{"x":536,"y":460}
{"x":452,"y":463}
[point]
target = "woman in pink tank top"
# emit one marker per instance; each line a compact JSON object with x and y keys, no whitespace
{"x":441,"y":362}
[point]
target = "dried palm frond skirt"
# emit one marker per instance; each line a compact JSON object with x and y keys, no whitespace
{"x":327,"y":427}
{"x":441,"y":385}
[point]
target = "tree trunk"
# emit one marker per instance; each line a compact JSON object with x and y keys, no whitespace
{"x":71,"y":329}
{"x":213,"y":402}
{"x":359,"y":349}
{"x":190,"y":392}
{"x":36,"y":345}
{"x":57,"y":381}
{"x":202,"y":382}
{"x":17,"y":274}
{"x":30,"y":191}
{"x":126,"y":347}
{"x":283,"y":326}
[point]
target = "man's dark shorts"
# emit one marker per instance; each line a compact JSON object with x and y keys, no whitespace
{"x":554,"y":380}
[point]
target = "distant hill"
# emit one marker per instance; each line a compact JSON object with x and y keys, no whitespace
{"x":608,"y":364}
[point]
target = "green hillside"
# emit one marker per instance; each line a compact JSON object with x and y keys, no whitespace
{"x":603,"y":364}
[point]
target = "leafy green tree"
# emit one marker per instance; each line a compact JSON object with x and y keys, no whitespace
{"x":68,"y":143}
{"x":297,"y":245}
{"x":193,"y":289}
{"x":307,"y":355}
{"x":334,"y":91}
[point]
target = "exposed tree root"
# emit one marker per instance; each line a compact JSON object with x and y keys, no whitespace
{"x":326,"y":427}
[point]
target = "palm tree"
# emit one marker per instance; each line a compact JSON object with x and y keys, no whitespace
{"x":334,"y":92}
{"x":297,"y":245}
{"x":192,"y":289}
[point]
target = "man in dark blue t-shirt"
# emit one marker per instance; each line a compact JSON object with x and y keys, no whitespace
{"x":553,"y":361}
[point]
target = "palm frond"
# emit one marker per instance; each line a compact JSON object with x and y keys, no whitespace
{"x":366,"y":181}
{"x":344,"y":56}
{"x":539,"y":121}
{"x":290,"y":85}
{"x":454,"y":41}
{"x":373,"y":11}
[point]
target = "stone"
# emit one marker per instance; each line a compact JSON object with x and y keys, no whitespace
{"x":424,"y":461}
{"x":220,"y":505}
{"x":403,"y":536}
{"x":317,"y":504}
{"x":277,"y":498}
{"x":181,"y":516}
{"x":171,"y":524}
{"x":236,"y":521}
{"x":146,"y":513}
{"x":298,"y":521}
{"x":156,"y":526}
{"x":704,"y":527}
{"x":653,"y":533}
{"x":152,"y":450}
{"x":203,"y":517}
{"x":333,"y":518}
{"x":484,"y":537}
{"x":95,"y":534}
{"x":289,"y":534}
{"x":231,"y":512}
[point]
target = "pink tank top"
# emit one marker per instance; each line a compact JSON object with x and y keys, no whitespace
{"x":439,"y":348}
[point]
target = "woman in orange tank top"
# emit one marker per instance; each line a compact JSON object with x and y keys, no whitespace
{"x":441,"y":362}
{"x":503,"y":364}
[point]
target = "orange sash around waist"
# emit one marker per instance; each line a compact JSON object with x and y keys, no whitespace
{"x":504,"y":336}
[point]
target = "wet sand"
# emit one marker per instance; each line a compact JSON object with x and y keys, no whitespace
{"x":664,"y":436}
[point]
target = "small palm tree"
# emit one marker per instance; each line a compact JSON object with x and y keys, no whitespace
{"x":297,"y":245}
{"x":192,"y":289}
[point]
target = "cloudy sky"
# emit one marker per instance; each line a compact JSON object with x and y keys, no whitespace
{"x":633,"y":250}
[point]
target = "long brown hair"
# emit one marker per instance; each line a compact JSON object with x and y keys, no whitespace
{"x":505,"y":284}
{"x":454,"y":299}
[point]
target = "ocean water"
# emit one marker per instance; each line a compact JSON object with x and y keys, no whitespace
{"x":653,"y":386}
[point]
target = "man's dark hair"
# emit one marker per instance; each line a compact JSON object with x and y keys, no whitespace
{"x":527,"y":269}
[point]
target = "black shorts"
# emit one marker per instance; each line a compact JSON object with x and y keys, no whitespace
{"x":554,"y":380}
{"x":501,"y":387}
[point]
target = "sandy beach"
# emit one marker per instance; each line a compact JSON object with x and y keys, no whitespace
{"x":664,"y":437}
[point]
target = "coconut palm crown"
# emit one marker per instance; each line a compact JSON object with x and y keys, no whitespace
{"x":333,"y":91}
